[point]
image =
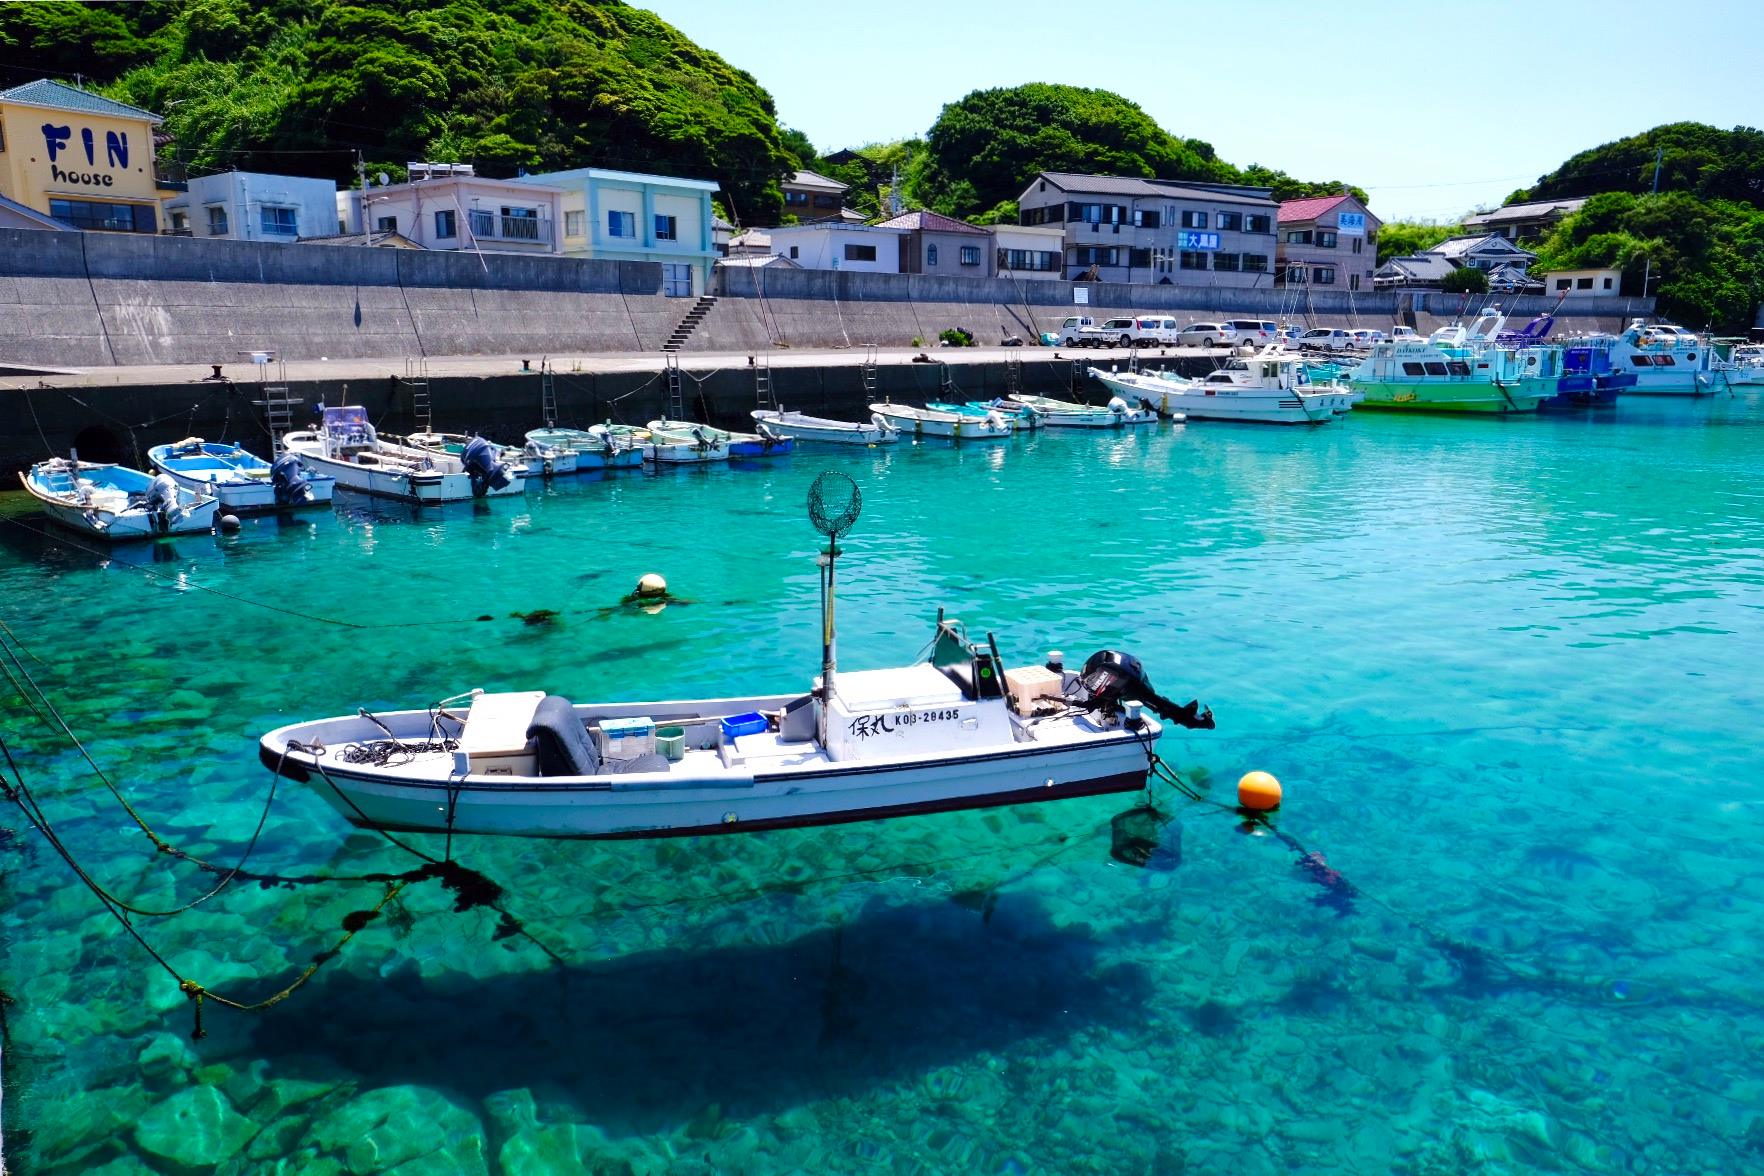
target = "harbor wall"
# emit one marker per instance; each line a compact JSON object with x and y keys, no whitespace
{"x":100,"y":299}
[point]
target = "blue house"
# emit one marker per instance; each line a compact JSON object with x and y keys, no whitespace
{"x":629,"y":216}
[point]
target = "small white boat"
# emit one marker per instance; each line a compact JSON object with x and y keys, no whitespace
{"x":346,"y":447}
{"x":1743,"y":366}
{"x":1067,"y":414}
{"x":765,"y":443}
{"x":544,"y":460}
{"x":114,"y":502}
{"x":686,"y":443}
{"x":803,"y":427}
{"x":928,"y":422}
{"x":1268,"y":388}
{"x":955,"y":730}
{"x":241,"y":480}
{"x":594,"y":451}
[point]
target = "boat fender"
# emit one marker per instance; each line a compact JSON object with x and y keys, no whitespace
{"x":485,"y":469}
{"x":189,"y":445}
{"x":288,"y":481}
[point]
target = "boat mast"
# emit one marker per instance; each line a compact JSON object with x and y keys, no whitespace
{"x":833,"y":505}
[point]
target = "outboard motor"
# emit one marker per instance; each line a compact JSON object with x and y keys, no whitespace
{"x":289,"y":481}
{"x":485,"y":469}
{"x":1111,"y":678}
{"x":1118,"y":406}
{"x":162,"y":496}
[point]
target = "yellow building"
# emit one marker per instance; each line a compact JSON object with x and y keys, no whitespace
{"x":85,"y":160}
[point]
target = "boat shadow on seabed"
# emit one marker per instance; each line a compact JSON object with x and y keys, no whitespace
{"x":647,"y":1040}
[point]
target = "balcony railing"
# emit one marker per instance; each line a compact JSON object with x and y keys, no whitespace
{"x":525,"y":230}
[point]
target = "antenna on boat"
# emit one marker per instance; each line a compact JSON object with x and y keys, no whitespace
{"x":834,"y":504}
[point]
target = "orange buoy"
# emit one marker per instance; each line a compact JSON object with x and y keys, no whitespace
{"x":1259,"y":791}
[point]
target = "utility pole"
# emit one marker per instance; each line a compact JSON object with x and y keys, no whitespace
{"x":361,"y":193}
{"x":1648,"y":267}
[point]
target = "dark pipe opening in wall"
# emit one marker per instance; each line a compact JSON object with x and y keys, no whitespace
{"x":97,"y":443}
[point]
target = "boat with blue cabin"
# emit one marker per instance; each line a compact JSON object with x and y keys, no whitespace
{"x":243,"y":481}
{"x":113,"y":502}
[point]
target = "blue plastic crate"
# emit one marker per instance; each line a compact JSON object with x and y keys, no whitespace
{"x":752,"y":723}
{"x":627,"y":728}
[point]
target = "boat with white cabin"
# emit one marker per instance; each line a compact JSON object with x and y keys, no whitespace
{"x":241,"y":480}
{"x":346,"y":447}
{"x":1271,"y":387}
{"x":956,"y":729}
{"x":1667,"y":360}
{"x":1460,"y":368}
{"x":113,"y":502}
{"x":803,"y":427}
{"x":1743,"y":366}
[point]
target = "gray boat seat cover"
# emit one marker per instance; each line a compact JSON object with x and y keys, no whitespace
{"x":562,"y":740}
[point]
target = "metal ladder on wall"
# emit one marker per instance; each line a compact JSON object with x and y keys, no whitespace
{"x":946,"y":385}
{"x":1078,"y":376}
{"x":1013,"y":374}
{"x":872,"y":380}
{"x":416,"y":378}
{"x":676,"y":389}
{"x":762,"y":384}
{"x":277,"y":405}
{"x":547,"y":394}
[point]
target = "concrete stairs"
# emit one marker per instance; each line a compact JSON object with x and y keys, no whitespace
{"x":690,"y":323}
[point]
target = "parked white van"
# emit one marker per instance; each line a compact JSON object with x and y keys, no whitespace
{"x":1151,"y":331}
{"x":1067,"y":334}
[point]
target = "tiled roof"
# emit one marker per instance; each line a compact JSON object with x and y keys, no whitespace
{"x":931,"y":222}
{"x":61,"y":96}
{"x":1419,"y":265}
{"x":1132,"y":186}
{"x":814,"y":182}
{"x":1527,"y":211}
{"x":1309,"y":208}
{"x":1490,"y":242}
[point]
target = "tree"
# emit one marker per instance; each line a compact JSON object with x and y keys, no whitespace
{"x":985,"y":148}
{"x":1287,"y":188}
{"x":1401,"y":238}
{"x":1702,"y":160}
{"x":1467,"y":280}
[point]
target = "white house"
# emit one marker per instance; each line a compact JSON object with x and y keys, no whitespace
{"x":254,"y":206}
{"x":449,"y":206}
{"x":630,"y":216}
{"x":1583,"y":281}
{"x":831,"y":245}
{"x":1029,"y":251}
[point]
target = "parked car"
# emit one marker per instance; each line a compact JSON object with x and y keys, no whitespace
{"x":1150,"y":331}
{"x":1365,"y":337}
{"x":1404,"y":335}
{"x":1207,"y":335}
{"x":1289,"y":336}
{"x":1327,"y":338}
{"x":1261,"y":332}
{"x":1115,"y":332}
{"x":1070,"y":332}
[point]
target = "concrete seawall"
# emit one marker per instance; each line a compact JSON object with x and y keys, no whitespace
{"x":98,"y":299}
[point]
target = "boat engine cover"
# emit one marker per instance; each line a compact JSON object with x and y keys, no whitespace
{"x":162,"y":493}
{"x":1110,"y":678}
{"x":289,"y":481}
{"x":485,"y":469}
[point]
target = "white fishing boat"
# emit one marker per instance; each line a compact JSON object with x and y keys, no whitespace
{"x":1744,"y":365}
{"x":593,"y":451}
{"x":1460,"y":368}
{"x":928,"y":422}
{"x":1271,"y":387}
{"x":345,"y":447}
{"x":114,"y":502}
{"x":765,"y":443}
{"x":955,"y":730}
{"x":1666,"y":360}
{"x":241,"y":480}
{"x":1069,"y":414}
{"x":804,"y":427}
{"x":686,"y":443}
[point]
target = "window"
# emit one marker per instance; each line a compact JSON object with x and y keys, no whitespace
{"x":180,"y":223}
{"x":1298,"y":236}
{"x":860,"y":253}
{"x":1641,"y":360}
{"x":387,"y":224}
{"x":1226,"y":262}
{"x":667,"y":228}
{"x":217,"y":220}
{"x":794,"y":200}
{"x":1665,"y":361}
{"x":1410,"y":368}
{"x":276,"y":221}
{"x":1258,"y":223}
{"x":446,"y":224}
{"x":1147,"y":218}
{"x":1095,"y":255}
{"x":1032,"y":260}
{"x":1193,"y":260}
{"x":621,"y":224}
{"x":1353,"y":281}
{"x":1295,"y":274}
{"x":1139,"y":258}
{"x":970,"y":255}
{"x":1231,"y":222}
{"x":1096,"y":214}
{"x":1357,"y":244}
{"x":1255,"y":263}
{"x":1051,"y":214}
{"x":1458,"y":367}
{"x":1323,"y":275}
{"x":573,"y":223}
{"x":481,"y":223}
{"x":1562,"y":283}
{"x":795,"y":252}
{"x":105,"y":216}
{"x":2,"y":140}
{"x":1435,"y":369}
{"x":1325,"y":239}
{"x":930,"y":255}
{"x":520,"y":224}
{"x":1583,"y":283}
{"x":826,"y":201}
{"x":1194,"y":220}
{"x":1607,"y":283}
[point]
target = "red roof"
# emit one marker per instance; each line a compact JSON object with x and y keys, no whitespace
{"x":1310,"y":208}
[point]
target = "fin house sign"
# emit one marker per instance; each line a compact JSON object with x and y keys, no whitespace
{"x":59,"y":141}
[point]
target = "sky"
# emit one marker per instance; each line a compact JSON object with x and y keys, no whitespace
{"x":1435,"y":111}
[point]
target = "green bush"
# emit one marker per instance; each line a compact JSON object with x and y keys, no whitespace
{"x":1468,"y":280}
{"x":955,"y":337}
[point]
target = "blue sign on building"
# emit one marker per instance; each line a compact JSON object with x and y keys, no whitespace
{"x":1351,"y":224}
{"x":1186,"y":239}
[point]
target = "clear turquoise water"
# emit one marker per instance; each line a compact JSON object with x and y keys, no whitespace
{"x":1507,"y":671}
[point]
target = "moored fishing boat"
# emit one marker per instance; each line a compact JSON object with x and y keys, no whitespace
{"x":765,"y":443}
{"x":1459,"y":369}
{"x":114,"y":502}
{"x":240,"y":479}
{"x":804,"y":427}
{"x":1588,"y":378}
{"x":544,"y":460}
{"x":686,"y":443}
{"x":926,"y":422}
{"x":1068,"y":414}
{"x":954,"y":730}
{"x":1269,"y":388}
{"x":346,"y":447}
{"x":1021,"y":416}
{"x":1666,"y":360}
{"x":593,"y":451}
